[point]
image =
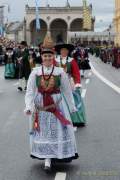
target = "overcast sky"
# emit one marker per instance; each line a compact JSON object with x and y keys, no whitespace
{"x":103,"y":10}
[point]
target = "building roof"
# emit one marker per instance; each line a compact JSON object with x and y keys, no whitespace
{"x":89,"y":34}
{"x":14,"y":26}
{"x":57,"y":9}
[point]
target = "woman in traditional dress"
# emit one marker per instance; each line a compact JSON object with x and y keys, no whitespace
{"x":71,"y":68}
{"x":9,"y":61}
{"x":51,"y":130}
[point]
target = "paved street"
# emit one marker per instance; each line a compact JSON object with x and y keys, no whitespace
{"x":98,"y":143}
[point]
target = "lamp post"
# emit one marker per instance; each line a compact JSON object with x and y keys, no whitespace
{"x":109,"y":35}
{"x":47,"y":4}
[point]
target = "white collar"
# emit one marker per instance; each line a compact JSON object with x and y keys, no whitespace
{"x":57,"y":70}
{"x":9,"y":54}
{"x":64,"y":60}
{"x":47,"y":70}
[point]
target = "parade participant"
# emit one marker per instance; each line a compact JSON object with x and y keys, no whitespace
{"x":116,"y":55}
{"x":91,"y":51}
{"x":84,"y":61}
{"x":38,"y":59}
{"x":104,"y":55}
{"x":71,"y":68}
{"x":1,"y":55}
{"x":51,"y":131}
{"x":118,"y":59}
{"x":32,"y":57}
{"x":17,"y":52}
{"x":97,"y":51}
{"x":24,"y":66}
{"x":109,"y":55}
{"x":9,"y":61}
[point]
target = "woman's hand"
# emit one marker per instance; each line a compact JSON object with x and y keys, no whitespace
{"x":74,"y":110}
{"x":78,"y":86}
{"x":28,"y":112}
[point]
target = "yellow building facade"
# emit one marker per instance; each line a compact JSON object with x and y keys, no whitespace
{"x":117,"y":22}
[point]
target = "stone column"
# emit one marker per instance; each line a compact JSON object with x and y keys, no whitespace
{"x":48,"y":29}
{"x":28,"y":36}
{"x":24,"y":30}
{"x":68,"y":38}
{"x":68,"y":29}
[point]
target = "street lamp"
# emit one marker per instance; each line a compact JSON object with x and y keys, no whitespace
{"x":109,"y":35}
{"x":47,"y":3}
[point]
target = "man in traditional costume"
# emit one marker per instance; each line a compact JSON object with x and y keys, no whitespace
{"x":51,"y":130}
{"x":71,"y":68}
{"x":81,"y":56}
{"x":84,"y":61}
{"x":38,"y":59}
{"x":24,"y":66}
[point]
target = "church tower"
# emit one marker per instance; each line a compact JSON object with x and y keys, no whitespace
{"x":87,"y":16}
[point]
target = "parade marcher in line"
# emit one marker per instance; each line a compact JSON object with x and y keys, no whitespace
{"x":24,"y":66}
{"x":97,"y":51}
{"x":110,"y":55}
{"x":104,"y":55}
{"x":1,"y":55}
{"x":84,"y":61}
{"x":38,"y":59}
{"x":17,"y":52}
{"x":51,"y":131}
{"x":116,"y":57}
{"x":32,"y":57}
{"x":81,"y":55}
{"x":9,"y":61}
{"x":91,"y":51}
{"x":71,"y":68}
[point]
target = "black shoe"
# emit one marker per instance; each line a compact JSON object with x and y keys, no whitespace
{"x":47,"y":169}
{"x":20,"y":89}
{"x":82,"y":76}
{"x":47,"y":166}
{"x":25,"y":88}
{"x":79,"y":124}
